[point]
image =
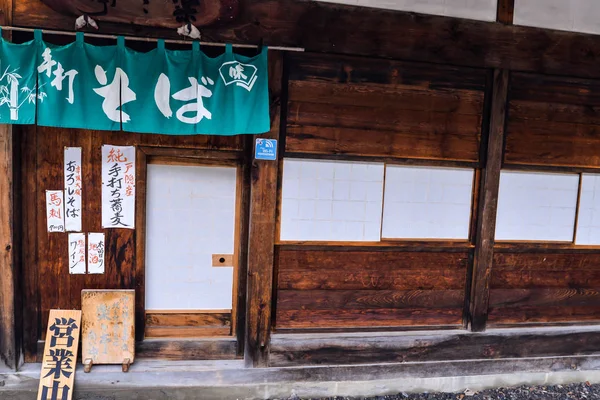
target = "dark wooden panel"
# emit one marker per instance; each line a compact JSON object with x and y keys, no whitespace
{"x":367,"y":299}
{"x":361,"y":289}
{"x":187,"y":349}
{"x":354,"y":70}
{"x":390,"y":97}
{"x":157,"y":318}
{"x":554,"y":121}
{"x":545,"y":288}
{"x":360,"y":318}
{"x":289,"y":350}
{"x":379,"y":108}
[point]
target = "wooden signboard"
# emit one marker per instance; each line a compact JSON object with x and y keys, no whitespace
{"x":60,"y":355}
{"x":108,"y":331}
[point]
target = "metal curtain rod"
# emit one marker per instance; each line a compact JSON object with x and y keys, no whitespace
{"x":142,"y":39}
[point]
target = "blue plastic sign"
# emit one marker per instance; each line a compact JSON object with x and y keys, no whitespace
{"x":266,"y":149}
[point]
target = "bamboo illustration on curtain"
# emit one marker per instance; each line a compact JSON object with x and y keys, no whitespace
{"x":115,"y":88}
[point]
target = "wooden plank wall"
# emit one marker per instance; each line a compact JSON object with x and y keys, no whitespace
{"x":401,"y":112}
{"x":364,"y":107}
{"x":553,"y":124}
{"x":45,"y":265}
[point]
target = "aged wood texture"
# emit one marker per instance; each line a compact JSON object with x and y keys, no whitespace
{"x":545,"y":288}
{"x":334,"y":28}
{"x":57,"y":377}
{"x":298,"y":349}
{"x":506,"y":11}
{"x":108,"y":328}
{"x":154,"y":13}
{"x":261,"y":242}
{"x":187,"y":324}
{"x":345,"y":288}
{"x":45,"y":255}
{"x":188,"y":349}
{"x":488,"y":203}
{"x":9,"y":343}
{"x":553,"y":121}
{"x":362,"y":107}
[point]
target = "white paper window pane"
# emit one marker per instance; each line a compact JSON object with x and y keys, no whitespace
{"x":190,"y":215}
{"x":427,"y":202}
{"x":536,"y":206}
{"x":472,"y":9}
{"x":331,"y":200}
{"x":588,"y":221}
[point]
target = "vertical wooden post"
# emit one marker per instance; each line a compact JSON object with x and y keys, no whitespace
{"x":488,"y":202}
{"x":506,"y":11}
{"x":8,"y":341}
{"x":261,"y":243}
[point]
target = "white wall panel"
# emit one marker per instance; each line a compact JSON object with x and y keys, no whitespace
{"x":427,"y":202}
{"x":588,"y":221}
{"x":331,"y":200}
{"x":567,"y":15}
{"x":484,"y":10}
{"x":536,"y":206}
{"x":190,"y":215}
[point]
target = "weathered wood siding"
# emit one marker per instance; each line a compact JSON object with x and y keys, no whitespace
{"x":48,"y":283}
{"x":553,"y":121}
{"x":345,"y":288}
{"x":545,"y":288}
{"x":364,"y":107}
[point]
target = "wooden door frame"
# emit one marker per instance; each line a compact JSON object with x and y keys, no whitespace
{"x":224,"y":347}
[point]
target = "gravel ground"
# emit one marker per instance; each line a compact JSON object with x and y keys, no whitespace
{"x":559,"y":392}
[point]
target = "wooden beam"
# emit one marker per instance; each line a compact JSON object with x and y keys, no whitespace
{"x":488,"y":202}
{"x":371,"y":348}
{"x":334,"y":28}
{"x":261,"y":244}
{"x":506,"y":11}
{"x":8,"y":341}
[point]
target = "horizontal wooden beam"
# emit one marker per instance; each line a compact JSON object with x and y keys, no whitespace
{"x":334,"y":28}
{"x":340,"y":349}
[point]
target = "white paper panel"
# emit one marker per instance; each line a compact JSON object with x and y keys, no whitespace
{"x":190,"y":216}
{"x":427,"y":202}
{"x":331,"y":200}
{"x":588,"y":221}
{"x":536,"y":206}
{"x":77,"y":263}
{"x":55,"y":211}
{"x":118,"y":186}
{"x":96,"y":250}
{"x":567,"y":15}
{"x":73,"y":188}
{"x":484,"y":10}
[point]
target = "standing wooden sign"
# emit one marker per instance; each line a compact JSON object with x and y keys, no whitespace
{"x":60,"y":355}
{"x":108,"y":331}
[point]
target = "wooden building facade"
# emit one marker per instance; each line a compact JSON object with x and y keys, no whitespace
{"x":471,"y":106}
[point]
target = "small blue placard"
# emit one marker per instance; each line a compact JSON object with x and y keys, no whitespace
{"x":266,"y":149}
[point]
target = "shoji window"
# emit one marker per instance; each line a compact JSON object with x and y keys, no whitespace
{"x":331,"y":200}
{"x":427,"y":202}
{"x":537,"y":206}
{"x":588,"y":221}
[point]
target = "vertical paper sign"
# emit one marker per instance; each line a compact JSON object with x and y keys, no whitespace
{"x":55,"y":211}
{"x":96,"y":253}
{"x":77,"y":253}
{"x":73,"y":189}
{"x":118,"y":187}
